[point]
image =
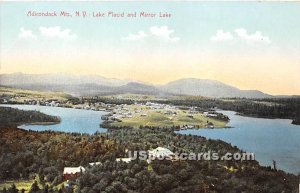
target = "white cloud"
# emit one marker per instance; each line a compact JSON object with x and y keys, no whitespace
{"x":161,"y":33}
{"x":135,"y":37}
{"x":221,"y":36}
{"x":242,"y":35}
{"x":57,"y":32}
{"x":252,"y":38}
{"x":26,"y":34}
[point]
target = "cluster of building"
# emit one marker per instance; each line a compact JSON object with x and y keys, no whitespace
{"x":152,"y":105}
{"x":159,"y":153}
{"x":8,"y":99}
{"x":52,"y":104}
{"x":99,"y":106}
{"x":185,"y":127}
{"x":42,"y":102}
{"x":207,"y":114}
{"x":124,"y":111}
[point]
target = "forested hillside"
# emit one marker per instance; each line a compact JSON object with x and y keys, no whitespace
{"x":25,"y":154}
{"x":285,"y":108}
{"x":13,"y":117}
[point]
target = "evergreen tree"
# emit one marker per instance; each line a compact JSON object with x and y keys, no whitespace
{"x":34,"y":187}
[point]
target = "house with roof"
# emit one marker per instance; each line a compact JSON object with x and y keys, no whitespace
{"x":72,"y":172}
{"x":160,"y":153}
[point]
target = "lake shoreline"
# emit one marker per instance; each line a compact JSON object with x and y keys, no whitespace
{"x":40,"y":123}
{"x":293,"y":121}
{"x":249,"y":133}
{"x":259,"y":136}
{"x":71,"y":120}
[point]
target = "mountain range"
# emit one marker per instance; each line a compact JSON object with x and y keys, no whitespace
{"x":83,"y":85}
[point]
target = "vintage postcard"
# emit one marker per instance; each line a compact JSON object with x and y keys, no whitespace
{"x":149,"y":96}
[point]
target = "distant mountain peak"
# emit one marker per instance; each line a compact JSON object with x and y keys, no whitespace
{"x":95,"y":85}
{"x":208,"y":88}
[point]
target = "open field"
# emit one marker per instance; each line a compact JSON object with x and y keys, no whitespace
{"x":20,"y":95}
{"x":22,"y":184}
{"x":146,"y":116}
{"x":26,"y":184}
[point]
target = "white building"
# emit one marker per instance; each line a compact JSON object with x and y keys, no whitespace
{"x":126,"y":160}
{"x":95,"y":163}
{"x":73,"y":170}
{"x":160,"y":153}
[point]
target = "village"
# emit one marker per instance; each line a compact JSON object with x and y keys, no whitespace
{"x":164,"y":115}
{"x":147,"y":114}
{"x":134,"y":111}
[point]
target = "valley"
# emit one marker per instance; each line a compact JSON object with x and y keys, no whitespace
{"x":134,"y":122}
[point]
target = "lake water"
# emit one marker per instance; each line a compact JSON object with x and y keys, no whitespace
{"x":268,"y":139}
{"x":72,"y":120}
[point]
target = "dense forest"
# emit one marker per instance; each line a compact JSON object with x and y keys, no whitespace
{"x":13,"y":117}
{"x":24,"y":154}
{"x":286,"y":108}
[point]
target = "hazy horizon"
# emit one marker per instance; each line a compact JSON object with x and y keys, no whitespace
{"x":248,"y":45}
{"x":137,"y":81}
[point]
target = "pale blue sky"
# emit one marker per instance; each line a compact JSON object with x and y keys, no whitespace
{"x":199,"y":40}
{"x":193,"y":21}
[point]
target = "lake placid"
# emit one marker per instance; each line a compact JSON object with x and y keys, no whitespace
{"x":72,"y":120}
{"x":268,"y":139}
